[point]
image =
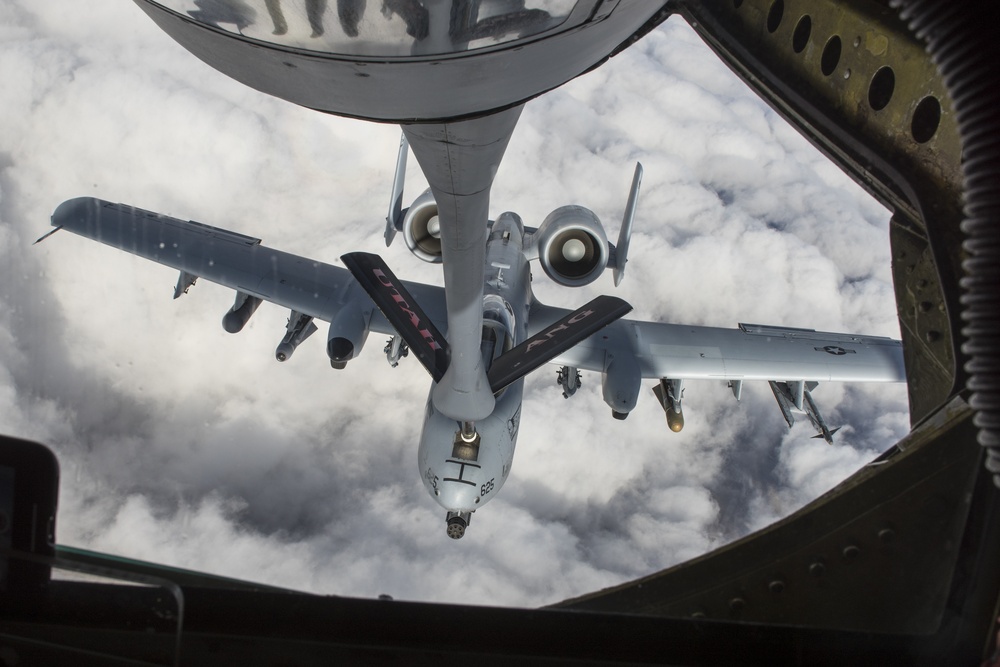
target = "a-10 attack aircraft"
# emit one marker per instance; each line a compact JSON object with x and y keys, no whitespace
{"x":464,"y":463}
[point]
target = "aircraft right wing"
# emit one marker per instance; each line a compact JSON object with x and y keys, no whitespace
{"x":793,"y":361}
{"x":311,"y":289}
{"x":750,"y":352}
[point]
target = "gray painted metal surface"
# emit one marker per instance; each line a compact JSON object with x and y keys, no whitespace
{"x":387,"y":84}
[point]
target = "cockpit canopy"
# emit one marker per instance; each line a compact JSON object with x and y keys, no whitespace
{"x":498,"y":323}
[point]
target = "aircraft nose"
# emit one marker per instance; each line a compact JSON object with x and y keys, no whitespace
{"x":457,"y":496}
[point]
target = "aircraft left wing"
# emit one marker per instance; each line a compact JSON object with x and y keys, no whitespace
{"x":791,"y":360}
{"x":310,"y":289}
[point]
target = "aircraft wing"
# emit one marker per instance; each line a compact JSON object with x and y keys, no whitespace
{"x":792,"y":361}
{"x":750,"y":352}
{"x":234,"y":260}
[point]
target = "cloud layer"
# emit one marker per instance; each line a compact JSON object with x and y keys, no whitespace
{"x":182,"y":444}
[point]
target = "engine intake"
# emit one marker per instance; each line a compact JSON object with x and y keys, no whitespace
{"x":422,"y":230}
{"x":572,"y":246}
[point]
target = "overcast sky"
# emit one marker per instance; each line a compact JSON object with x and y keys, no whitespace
{"x":182,"y":444}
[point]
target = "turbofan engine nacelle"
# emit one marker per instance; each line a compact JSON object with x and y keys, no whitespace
{"x":572,"y":246}
{"x":347,"y":335}
{"x":422,"y":230}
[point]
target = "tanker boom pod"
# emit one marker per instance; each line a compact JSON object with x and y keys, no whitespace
{"x":240,"y":313}
{"x":669,"y":393}
{"x":299,"y":328}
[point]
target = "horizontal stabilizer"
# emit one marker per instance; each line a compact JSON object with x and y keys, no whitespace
{"x":555,"y":339}
{"x":401,"y":310}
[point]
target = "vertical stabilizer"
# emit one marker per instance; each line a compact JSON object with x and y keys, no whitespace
{"x":394,"y":219}
{"x":625,"y":235}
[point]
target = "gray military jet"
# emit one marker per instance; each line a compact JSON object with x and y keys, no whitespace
{"x":466,"y":453}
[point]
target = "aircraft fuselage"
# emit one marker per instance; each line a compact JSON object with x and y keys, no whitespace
{"x":464,"y":473}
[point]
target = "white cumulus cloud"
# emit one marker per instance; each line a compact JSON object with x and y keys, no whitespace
{"x":182,"y":444}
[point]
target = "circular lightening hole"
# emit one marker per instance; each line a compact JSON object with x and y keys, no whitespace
{"x":926,"y":118}
{"x":881,"y":88}
{"x":774,"y":15}
{"x":831,"y":56}
{"x":800,"y":38}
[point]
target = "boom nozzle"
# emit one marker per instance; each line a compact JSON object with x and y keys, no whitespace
{"x":466,"y":444}
{"x":468,"y":432}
